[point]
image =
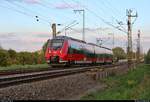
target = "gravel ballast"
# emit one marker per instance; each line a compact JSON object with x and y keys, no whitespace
{"x":67,"y":87}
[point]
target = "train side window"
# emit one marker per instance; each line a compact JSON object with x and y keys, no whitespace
{"x":75,"y":51}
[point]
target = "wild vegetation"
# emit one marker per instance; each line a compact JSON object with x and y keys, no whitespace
{"x":11,"y":57}
{"x":119,"y":53}
{"x":147,"y":57}
{"x":134,"y":85}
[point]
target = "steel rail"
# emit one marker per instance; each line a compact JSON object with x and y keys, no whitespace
{"x":19,"y":71}
{"x":11,"y":80}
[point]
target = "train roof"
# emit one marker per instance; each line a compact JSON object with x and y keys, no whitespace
{"x":66,"y":37}
{"x":99,"y":46}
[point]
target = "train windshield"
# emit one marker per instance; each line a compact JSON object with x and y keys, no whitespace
{"x":56,"y":44}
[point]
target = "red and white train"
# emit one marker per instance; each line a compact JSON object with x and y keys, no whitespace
{"x":64,"y":50}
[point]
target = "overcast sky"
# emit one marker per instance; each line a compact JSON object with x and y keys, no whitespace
{"x":20,"y":30}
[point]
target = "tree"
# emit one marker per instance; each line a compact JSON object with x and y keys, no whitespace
{"x":147,"y":57}
{"x":13,"y":56}
{"x":42,"y":58}
{"x":35,"y":57}
{"x":25,"y":58}
{"x":119,"y":53}
{"x":4,"y":58}
{"x":12,"y":53}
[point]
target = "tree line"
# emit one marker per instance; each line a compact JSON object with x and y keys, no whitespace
{"x":11,"y":57}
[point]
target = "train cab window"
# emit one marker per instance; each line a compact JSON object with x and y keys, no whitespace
{"x":70,"y":51}
{"x":57,"y":44}
{"x":48,"y":43}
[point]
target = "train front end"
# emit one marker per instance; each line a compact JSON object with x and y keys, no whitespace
{"x":56,"y":51}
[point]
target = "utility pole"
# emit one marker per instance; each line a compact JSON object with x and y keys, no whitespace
{"x":113,"y":41}
{"x":129,"y":23}
{"x":83,"y":36}
{"x":54,"y":30}
{"x":138,"y":46}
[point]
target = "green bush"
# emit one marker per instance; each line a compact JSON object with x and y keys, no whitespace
{"x":4,"y":58}
{"x":147,"y":58}
{"x":119,"y":53}
{"x":11,"y":57}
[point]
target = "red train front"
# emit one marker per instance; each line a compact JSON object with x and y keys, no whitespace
{"x":56,"y":51}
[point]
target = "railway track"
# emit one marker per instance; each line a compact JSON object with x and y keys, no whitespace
{"x":14,"y":72}
{"x":10,"y":80}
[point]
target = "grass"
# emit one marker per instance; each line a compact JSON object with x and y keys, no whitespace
{"x":25,"y":67}
{"x":134,"y":85}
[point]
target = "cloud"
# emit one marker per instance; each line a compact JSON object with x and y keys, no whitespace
{"x":7,"y":35}
{"x":33,"y":41}
{"x":25,"y":1}
{"x":42,"y":34}
{"x":66,"y":6}
{"x":31,"y":1}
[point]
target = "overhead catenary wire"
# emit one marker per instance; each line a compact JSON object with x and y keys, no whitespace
{"x":46,"y":21}
{"x":74,"y":8}
{"x":21,"y":12}
{"x":43,"y":18}
{"x":18,"y":11}
{"x":106,"y":7}
{"x":46,"y":4}
{"x":102,"y":19}
{"x":113,"y":8}
{"x":105,"y":22}
{"x":111,"y":12}
{"x":106,"y":11}
{"x":124,"y":35}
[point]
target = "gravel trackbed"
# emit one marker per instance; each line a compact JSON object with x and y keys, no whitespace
{"x":67,"y":87}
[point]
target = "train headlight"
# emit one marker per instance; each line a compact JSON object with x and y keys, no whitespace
{"x":48,"y":61}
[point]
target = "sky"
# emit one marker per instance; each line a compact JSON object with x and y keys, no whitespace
{"x":21,"y":31}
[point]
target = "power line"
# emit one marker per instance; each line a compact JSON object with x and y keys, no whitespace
{"x":101,"y":9}
{"x":47,"y":6}
{"x":113,"y":11}
{"x":20,"y":12}
{"x":25,"y":9}
{"x":106,"y":6}
{"x":113,"y":8}
{"x":95,"y":23}
{"x":108,"y":23}
{"x":73,"y":9}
